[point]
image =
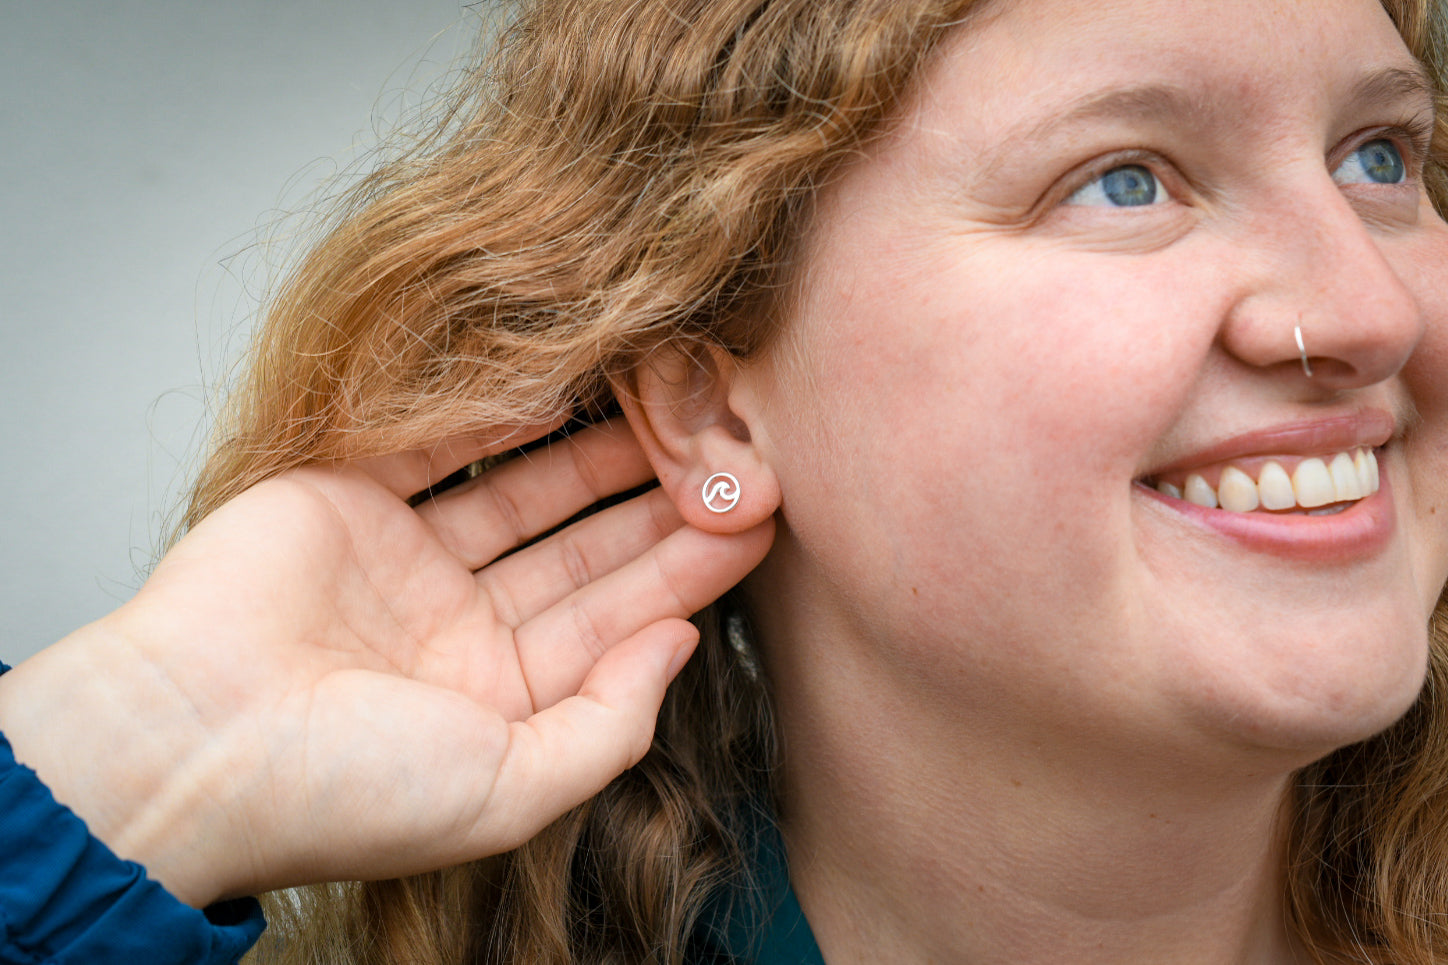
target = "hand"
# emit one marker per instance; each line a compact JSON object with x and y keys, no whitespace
{"x":320,"y":683}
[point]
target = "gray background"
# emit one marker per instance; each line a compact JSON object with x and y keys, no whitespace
{"x":149,"y":150}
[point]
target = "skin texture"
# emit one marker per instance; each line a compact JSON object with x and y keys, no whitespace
{"x":1032,"y":710}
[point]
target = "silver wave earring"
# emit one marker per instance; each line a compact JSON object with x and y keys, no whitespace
{"x":721,"y":492}
{"x":1302,"y":351}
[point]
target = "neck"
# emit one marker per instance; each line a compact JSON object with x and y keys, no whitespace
{"x":916,"y":835}
{"x":924,"y":872}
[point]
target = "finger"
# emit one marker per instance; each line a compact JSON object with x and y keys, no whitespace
{"x":570,"y":751}
{"x":462,"y":783}
{"x":676,"y":578}
{"x":522,"y":585}
{"x":407,"y":473}
{"x":513,"y":503}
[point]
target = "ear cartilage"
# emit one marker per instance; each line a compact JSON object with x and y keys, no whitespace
{"x":721,"y":492}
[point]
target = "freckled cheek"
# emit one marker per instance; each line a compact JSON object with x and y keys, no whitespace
{"x":1424,"y":268}
{"x":1426,"y":377}
{"x":1024,"y":372}
{"x":985,"y":400}
{"x":978,"y":436}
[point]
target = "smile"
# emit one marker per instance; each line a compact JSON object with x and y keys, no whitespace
{"x":1314,"y":485}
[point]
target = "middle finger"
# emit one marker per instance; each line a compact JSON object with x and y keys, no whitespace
{"x":515,"y":502}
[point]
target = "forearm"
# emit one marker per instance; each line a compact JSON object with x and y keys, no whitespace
{"x":110,"y":745}
{"x":65,"y":897}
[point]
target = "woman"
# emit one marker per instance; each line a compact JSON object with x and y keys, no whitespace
{"x":1066,"y":378}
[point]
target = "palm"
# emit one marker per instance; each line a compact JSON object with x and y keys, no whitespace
{"x":367,"y":584}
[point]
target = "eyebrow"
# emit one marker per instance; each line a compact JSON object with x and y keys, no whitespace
{"x":1160,"y":101}
{"x":1147,"y":101}
{"x":1396,"y":83}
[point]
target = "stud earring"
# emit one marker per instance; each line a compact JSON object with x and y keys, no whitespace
{"x":721,"y":492}
{"x":1302,"y":351}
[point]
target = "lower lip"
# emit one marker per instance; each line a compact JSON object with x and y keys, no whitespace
{"x":1358,"y":532}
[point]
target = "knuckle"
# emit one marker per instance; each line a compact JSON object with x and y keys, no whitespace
{"x":587,"y":632}
{"x":574,"y":562}
{"x":500,"y":601}
{"x":640,"y":741}
{"x":662,"y":519}
{"x":509,"y":514}
{"x":682,"y":604}
{"x":588,"y":471}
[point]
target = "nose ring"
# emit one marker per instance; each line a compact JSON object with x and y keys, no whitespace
{"x":1302,"y":350}
{"x":721,"y":492}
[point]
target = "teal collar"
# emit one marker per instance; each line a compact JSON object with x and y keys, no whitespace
{"x":757,"y":920}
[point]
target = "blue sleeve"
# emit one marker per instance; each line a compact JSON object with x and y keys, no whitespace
{"x":67,"y":899}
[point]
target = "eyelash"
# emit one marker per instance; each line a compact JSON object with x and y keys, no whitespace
{"x":1414,"y":133}
{"x":1412,"y":136}
{"x":1100,"y":167}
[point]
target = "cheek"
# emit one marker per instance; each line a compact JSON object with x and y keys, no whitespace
{"x":1030,"y":372}
{"x":979,"y":420}
{"x":1426,"y":375}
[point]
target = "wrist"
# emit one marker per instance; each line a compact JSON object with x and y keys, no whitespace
{"x":93,"y":718}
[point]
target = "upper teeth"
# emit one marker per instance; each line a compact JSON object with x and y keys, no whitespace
{"x":1315,"y":482}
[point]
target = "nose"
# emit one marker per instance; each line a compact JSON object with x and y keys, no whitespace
{"x":1319,"y":269}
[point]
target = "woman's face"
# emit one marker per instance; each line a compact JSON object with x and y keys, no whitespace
{"x":1071,"y":280}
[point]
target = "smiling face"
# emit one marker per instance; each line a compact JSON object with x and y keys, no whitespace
{"x":1063,"y":296}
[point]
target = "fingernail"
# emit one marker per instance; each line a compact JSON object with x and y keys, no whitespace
{"x":681,"y":656}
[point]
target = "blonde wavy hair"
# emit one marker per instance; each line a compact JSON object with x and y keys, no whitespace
{"x":613,"y":177}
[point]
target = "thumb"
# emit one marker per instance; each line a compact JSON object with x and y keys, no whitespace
{"x":561,"y":756}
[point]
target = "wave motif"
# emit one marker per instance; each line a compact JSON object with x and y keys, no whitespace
{"x":721,"y":492}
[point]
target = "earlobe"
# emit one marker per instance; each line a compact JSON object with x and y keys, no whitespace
{"x":683,"y":408}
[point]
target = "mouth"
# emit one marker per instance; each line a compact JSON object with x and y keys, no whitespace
{"x":1304,"y":491}
{"x":1305,"y":485}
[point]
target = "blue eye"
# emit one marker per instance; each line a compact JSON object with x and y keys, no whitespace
{"x":1376,"y":162}
{"x":1127,"y":186}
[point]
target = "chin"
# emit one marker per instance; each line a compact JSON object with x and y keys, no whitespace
{"x":1308,"y":716}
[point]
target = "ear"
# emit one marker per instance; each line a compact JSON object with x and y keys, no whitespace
{"x":696,"y":420}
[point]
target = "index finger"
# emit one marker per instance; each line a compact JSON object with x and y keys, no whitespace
{"x":408,"y":473}
{"x":515,"y":502}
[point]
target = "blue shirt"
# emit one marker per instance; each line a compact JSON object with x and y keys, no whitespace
{"x":67,"y":899}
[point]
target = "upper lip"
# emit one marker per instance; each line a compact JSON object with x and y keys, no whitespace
{"x":1367,"y":428}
